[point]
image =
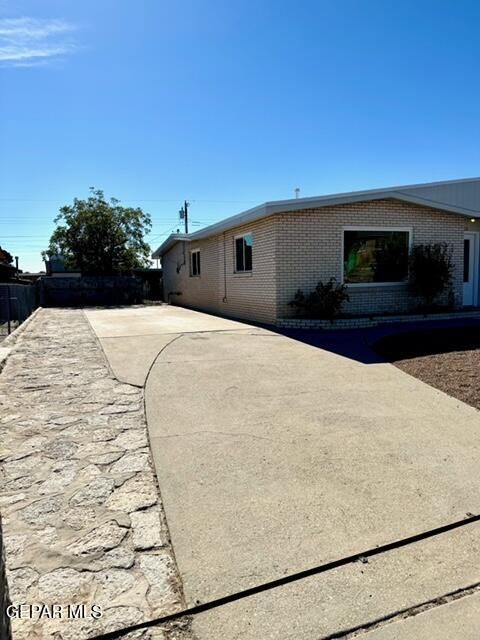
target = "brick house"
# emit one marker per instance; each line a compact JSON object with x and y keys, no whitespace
{"x":249,"y":266}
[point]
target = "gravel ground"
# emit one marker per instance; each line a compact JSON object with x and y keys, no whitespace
{"x":82,"y":515}
{"x":447,"y":359}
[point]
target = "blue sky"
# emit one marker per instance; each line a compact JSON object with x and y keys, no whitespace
{"x":227,"y":103}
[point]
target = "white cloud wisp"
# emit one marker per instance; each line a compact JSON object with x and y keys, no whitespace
{"x":29,"y":41}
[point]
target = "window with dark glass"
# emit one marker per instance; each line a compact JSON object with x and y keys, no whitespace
{"x":195,"y":262}
{"x":466,"y":260}
{"x":243,"y":253}
{"x":375,"y":256}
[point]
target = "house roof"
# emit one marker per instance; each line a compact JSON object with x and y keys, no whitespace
{"x":455,"y":196}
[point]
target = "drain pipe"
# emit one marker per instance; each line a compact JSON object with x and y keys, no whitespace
{"x":182,"y":264}
{"x":225,"y":299}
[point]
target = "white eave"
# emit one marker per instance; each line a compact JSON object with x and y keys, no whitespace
{"x":455,"y":196}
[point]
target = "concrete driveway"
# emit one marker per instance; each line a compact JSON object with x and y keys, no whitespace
{"x":132,"y":337}
{"x":275,"y":456}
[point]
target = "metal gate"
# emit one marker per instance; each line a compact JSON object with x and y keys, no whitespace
{"x":17,"y":302}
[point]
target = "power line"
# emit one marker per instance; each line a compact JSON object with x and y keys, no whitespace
{"x":47,"y":233}
{"x":138,"y":200}
{"x":28,"y":219}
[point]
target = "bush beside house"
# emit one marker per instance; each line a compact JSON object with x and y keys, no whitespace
{"x":431,"y":272}
{"x":430,"y":278}
{"x":324,"y":303}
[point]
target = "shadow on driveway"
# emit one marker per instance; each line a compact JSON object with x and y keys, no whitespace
{"x":361,"y":344}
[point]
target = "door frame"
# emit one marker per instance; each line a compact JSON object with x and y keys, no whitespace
{"x":476,"y":260}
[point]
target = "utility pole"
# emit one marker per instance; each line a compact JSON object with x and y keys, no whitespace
{"x":184,"y":214}
{"x":185,"y":206}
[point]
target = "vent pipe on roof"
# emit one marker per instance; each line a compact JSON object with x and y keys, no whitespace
{"x":297,"y":193}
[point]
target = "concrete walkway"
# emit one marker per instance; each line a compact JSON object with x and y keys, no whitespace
{"x":274,"y":456}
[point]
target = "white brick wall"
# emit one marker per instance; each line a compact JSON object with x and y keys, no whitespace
{"x":250,"y":296}
{"x":309,"y":249}
{"x":199,"y":292}
{"x":294,"y":251}
{"x":362,"y":323}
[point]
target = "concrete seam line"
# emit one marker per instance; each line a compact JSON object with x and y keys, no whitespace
{"x":404,"y":614}
{"x":156,"y":358}
{"x":279,"y":582}
{"x":157,"y":481}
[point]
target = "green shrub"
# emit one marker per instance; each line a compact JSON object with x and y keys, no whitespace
{"x":324,"y":303}
{"x":430,"y":271}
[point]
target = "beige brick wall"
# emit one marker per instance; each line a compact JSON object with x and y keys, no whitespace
{"x":309,"y":249}
{"x":296,"y":250}
{"x":218,"y":289}
{"x":200,"y":292}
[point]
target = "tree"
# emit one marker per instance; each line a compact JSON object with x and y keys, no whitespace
{"x":5,"y":256}
{"x":431,"y":271}
{"x":98,"y":237}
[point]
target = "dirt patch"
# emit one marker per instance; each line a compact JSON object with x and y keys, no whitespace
{"x":447,"y":359}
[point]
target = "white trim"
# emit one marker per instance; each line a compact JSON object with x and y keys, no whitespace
{"x":476,"y":265}
{"x":196,"y":275}
{"x":368,"y":227}
{"x":359,"y":285}
{"x":401,"y":284}
{"x":235,"y":238}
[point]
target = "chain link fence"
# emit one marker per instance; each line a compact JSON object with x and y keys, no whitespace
{"x":17,"y":302}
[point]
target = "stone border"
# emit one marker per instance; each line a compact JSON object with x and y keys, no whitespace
{"x":12,"y":337}
{"x":5,"y":627}
{"x":375,"y":321}
{"x":82,"y":513}
{"x":6,"y":346}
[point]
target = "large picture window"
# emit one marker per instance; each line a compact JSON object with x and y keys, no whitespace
{"x":243,"y":253}
{"x":375,"y":256}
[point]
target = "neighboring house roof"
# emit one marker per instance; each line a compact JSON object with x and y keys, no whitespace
{"x":456,"y":196}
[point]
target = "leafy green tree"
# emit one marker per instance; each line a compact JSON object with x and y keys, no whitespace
{"x":100,"y":237}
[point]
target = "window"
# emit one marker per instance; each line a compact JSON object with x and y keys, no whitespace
{"x":243,"y":253}
{"x":195,"y":262}
{"x":375,"y":256}
{"x":466,"y":260}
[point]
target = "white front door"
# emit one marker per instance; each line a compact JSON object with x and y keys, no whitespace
{"x":470,"y":269}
